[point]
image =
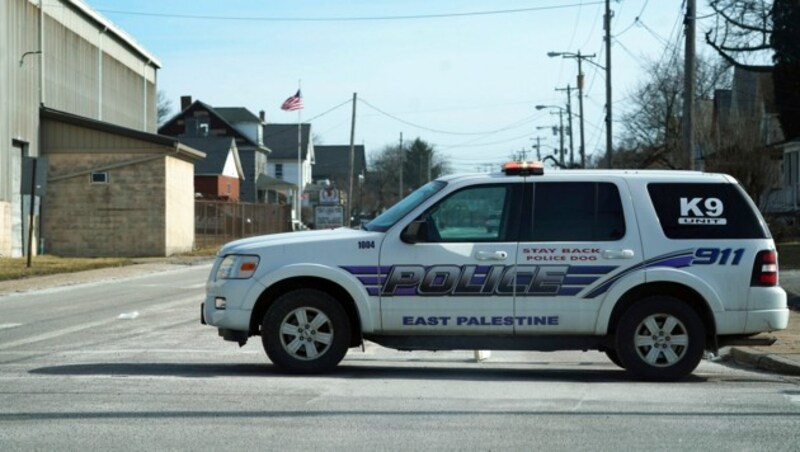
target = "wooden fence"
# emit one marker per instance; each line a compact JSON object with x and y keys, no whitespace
{"x":218,"y":222}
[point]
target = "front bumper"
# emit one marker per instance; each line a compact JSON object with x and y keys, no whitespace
{"x":229,"y":318}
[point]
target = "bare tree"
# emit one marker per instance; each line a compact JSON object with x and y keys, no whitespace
{"x":163,"y":107}
{"x":748,"y":31}
{"x":421,"y":162}
{"x":741,"y":31}
{"x":651,"y":130}
{"x":736,"y":147}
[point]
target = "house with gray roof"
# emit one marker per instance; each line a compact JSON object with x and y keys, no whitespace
{"x":282,"y":139}
{"x":333,"y":164}
{"x":198,"y":120}
{"x":219,"y":175}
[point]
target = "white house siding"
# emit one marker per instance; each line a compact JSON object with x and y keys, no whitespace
{"x":230,"y":167}
{"x":290,"y":170}
{"x":785,"y":196}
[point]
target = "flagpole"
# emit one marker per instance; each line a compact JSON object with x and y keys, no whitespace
{"x":299,"y":164}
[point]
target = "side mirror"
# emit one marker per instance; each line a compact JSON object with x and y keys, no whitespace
{"x":414,"y":232}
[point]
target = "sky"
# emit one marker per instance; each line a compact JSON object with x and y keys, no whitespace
{"x":466,"y":83}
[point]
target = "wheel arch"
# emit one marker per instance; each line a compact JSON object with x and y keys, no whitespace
{"x":274,"y":291}
{"x":665,"y":288}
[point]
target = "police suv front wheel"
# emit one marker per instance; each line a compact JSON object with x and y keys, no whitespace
{"x":305,"y":331}
{"x":660,"y":338}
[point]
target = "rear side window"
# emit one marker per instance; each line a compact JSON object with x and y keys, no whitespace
{"x":577,"y":212}
{"x":705,"y":211}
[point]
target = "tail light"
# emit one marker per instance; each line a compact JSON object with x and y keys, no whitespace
{"x":765,"y":269}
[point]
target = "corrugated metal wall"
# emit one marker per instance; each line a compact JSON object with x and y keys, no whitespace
{"x":91,"y":69}
{"x":19,"y":97}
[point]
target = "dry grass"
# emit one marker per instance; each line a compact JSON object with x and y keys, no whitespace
{"x":16,"y":268}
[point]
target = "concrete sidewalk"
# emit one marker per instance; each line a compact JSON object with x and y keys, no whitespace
{"x":782,"y":357}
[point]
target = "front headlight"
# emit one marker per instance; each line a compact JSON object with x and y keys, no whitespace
{"x":237,"y":266}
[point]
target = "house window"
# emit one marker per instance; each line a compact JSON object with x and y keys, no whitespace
{"x":279,"y":170}
{"x":99,"y":177}
{"x":230,"y":189}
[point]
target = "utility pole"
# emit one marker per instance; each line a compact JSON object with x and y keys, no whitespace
{"x":428,"y":161}
{"x":695,"y":160}
{"x":402,"y":163}
{"x":569,"y":126}
{"x":609,"y":144}
{"x":580,"y":105}
{"x":538,"y":147}
{"x":561,"y":135}
{"x":352,"y":152}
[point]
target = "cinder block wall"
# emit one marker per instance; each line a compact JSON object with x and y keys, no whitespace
{"x":125,"y":217}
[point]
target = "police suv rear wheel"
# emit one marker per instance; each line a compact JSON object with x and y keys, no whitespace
{"x":660,"y":338}
{"x":614,"y":357}
{"x":305,"y":331}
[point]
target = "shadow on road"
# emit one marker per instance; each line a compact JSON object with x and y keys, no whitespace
{"x":417,"y":371}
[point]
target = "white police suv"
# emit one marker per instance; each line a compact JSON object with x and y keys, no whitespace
{"x":651,"y":267}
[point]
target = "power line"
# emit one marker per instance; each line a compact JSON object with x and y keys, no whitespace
{"x":466,"y":108}
{"x":594,"y":25}
{"x":485,"y":144}
{"x":346,"y":18}
{"x":444,"y":132}
{"x":635,"y":21}
{"x":329,"y":110}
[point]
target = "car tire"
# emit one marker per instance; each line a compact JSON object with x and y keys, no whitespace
{"x":660,"y":338}
{"x":305,"y":331}
{"x":613,"y":356}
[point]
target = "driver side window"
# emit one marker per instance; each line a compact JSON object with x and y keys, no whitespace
{"x":475,"y":214}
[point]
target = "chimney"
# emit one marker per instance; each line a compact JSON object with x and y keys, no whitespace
{"x":262,"y":116}
{"x":185,"y":102}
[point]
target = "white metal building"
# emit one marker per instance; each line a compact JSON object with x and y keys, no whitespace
{"x":62,"y":55}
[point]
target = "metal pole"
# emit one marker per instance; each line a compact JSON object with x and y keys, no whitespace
{"x":568,"y":89}
{"x":32,"y":209}
{"x":561,"y":134}
{"x":352,"y":152}
{"x":580,"y":108}
{"x":299,"y":171}
{"x":402,"y":163}
{"x":609,"y":144}
{"x":41,"y":53}
{"x":695,"y":160}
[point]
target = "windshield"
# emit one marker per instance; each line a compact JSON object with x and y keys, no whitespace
{"x":387,"y":219}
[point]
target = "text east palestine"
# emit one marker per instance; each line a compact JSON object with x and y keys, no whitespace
{"x":551,"y":320}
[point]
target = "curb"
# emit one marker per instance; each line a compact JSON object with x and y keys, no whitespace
{"x":773,"y":363}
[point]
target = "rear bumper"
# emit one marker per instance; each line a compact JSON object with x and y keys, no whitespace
{"x":766,"y":320}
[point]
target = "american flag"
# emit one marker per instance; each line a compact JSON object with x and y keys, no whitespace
{"x":293,"y":103}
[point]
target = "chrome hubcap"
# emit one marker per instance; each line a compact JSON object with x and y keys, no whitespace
{"x":306,"y":333}
{"x":661,"y":340}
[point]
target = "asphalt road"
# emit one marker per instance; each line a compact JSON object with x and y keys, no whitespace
{"x":125,"y":364}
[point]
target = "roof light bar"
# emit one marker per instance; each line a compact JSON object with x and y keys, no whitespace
{"x":523,"y":169}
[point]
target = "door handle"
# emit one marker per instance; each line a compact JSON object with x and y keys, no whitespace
{"x":491,"y":255}
{"x":618,"y":254}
